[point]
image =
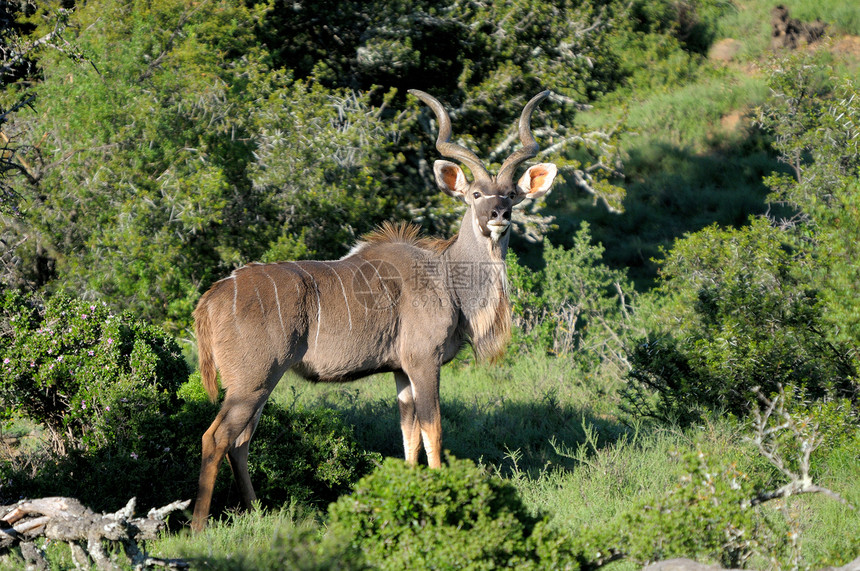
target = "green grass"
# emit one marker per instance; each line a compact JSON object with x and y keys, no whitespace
{"x":562,"y":442}
{"x":256,"y":539}
{"x":486,"y":411}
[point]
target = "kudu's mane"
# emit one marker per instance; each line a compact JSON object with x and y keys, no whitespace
{"x":491,"y":328}
{"x":406,"y":233}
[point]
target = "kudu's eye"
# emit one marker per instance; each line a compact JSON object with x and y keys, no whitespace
{"x":477,"y":195}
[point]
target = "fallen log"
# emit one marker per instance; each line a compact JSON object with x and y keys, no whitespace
{"x":68,"y":520}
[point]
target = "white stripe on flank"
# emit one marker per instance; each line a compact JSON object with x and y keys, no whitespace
{"x":319,"y":305}
{"x":355,"y":271}
{"x":235,"y":294}
{"x":260,"y":299}
{"x":278,"y":302}
{"x":384,"y":288}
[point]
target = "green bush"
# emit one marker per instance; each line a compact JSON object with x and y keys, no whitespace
{"x":572,"y":303}
{"x":738,"y":316}
{"x":89,"y":376}
{"x":157,"y":466}
{"x":814,"y":119}
{"x":404,"y":517}
{"x":707,"y":516}
{"x":575,"y":307}
{"x":308,"y":455}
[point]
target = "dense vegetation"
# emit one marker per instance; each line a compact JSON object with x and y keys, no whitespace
{"x":686,"y":302}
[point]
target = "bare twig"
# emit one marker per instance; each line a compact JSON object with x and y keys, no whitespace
{"x":769,"y":425}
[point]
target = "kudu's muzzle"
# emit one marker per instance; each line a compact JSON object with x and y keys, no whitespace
{"x":494,"y":215}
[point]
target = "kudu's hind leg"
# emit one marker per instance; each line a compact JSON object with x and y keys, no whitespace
{"x":425,"y":392}
{"x":408,"y":419}
{"x":237,"y":455}
{"x":234,"y":418}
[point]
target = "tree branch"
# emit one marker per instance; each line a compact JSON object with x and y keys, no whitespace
{"x":769,"y":425}
{"x":66,"y":519}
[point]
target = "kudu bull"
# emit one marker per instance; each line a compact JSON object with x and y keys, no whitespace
{"x":396,"y":303}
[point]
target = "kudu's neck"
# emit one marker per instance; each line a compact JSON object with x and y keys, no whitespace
{"x":475,"y":269}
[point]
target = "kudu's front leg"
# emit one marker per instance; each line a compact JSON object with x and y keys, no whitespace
{"x":408,"y":419}
{"x":425,"y":394}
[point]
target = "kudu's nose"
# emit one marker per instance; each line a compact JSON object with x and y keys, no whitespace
{"x":500,"y":214}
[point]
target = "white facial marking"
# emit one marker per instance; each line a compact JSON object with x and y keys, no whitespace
{"x":498,"y":229}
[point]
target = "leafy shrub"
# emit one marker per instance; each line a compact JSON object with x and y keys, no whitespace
{"x":575,"y":307}
{"x":403,"y":517}
{"x":158,"y":465}
{"x":814,"y":125}
{"x":569,"y":302}
{"x":308,"y":455}
{"x":693,"y":22}
{"x":91,"y":377}
{"x":706,"y":516}
{"x":738,"y":317}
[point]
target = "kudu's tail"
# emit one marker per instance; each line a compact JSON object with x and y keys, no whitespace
{"x":203,"y":329}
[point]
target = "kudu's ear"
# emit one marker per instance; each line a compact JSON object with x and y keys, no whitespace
{"x":536,"y":181}
{"x":450,"y":179}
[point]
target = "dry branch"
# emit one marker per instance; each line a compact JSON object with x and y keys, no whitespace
{"x":66,"y":519}
{"x":769,"y":425}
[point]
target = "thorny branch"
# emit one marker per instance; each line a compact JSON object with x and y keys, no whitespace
{"x":769,"y":426}
{"x":15,"y":52}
